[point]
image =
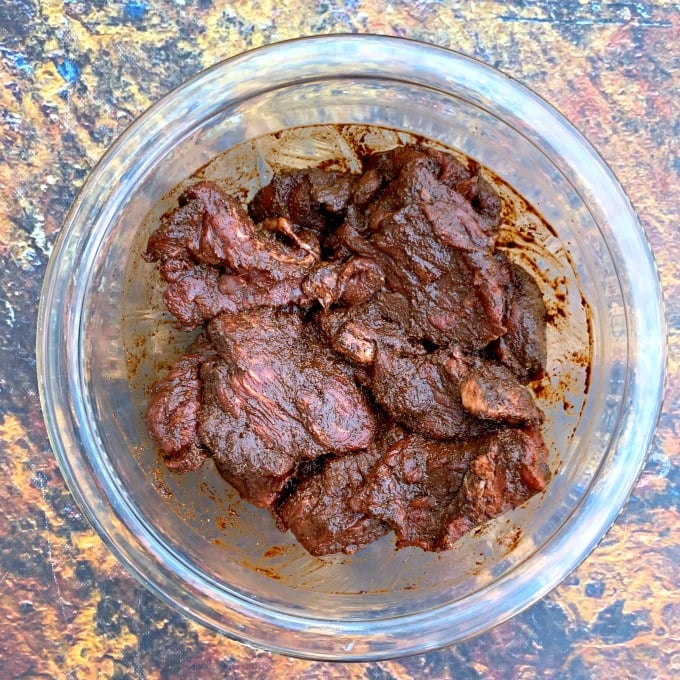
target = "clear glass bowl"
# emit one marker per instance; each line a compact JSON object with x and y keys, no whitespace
{"x":222,"y":562}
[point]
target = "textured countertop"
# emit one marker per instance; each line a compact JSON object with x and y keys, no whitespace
{"x":73,"y":75}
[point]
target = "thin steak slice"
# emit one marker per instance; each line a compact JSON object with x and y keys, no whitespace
{"x":318,"y":512}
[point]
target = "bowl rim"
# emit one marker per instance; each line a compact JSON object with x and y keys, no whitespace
{"x":278,"y":631}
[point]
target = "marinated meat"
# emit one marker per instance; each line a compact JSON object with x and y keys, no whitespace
{"x":174,"y":407}
{"x":356,"y":332}
{"x":365,"y":354}
{"x":432,"y":493}
{"x":412,"y":487}
{"x":523,"y":346}
{"x":215,"y":259}
{"x":246,"y":452}
{"x":352,"y":282}
{"x":447,"y":395}
{"x":464,"y":179}
{"x":318,"y":512}
{"x":491,"y":391}
{"x":423,"y":393}
{"x":296,"y":390}
{"x":276,"y":398}
{"x":306,"y":197}
{"x":437,"y":256}
{"x":508,"y":468}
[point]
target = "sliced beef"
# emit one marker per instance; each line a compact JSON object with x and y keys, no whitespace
{"x":443,"y":394}
{"x":523,"y":347}
{"x":246,"y":451}
{"x":174,"y":407}
{"x":492,"y":392}
{"x":412,"y":487}
{"x":351,"y":282}
{"x":431,"y":493}
{"x":318,"y":512}
{"x":294,"y":387}
{"x":306,"y":197}
{"x":423,"y":393}
{"x":356,"y":332}
{"x":278,"y":396}
{"x":193,"y":295}
{"x":507,"y":469}
{"x":437,"y":257}
{"x":465,"y":179}
{"x":215,"y":259}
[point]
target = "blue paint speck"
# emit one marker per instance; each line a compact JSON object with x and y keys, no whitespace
{"x":20,"y":62}
{"x":68,"y":70}
{"x":643,"y":11}
{"x":135,"y":9}
{"x":17,"y":60}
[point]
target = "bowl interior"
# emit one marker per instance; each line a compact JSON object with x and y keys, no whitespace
{"x":202,"y":517}
{"x":207,"y":513}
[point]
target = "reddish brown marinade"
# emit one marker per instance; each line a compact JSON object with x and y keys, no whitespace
{"x":364,"y":355}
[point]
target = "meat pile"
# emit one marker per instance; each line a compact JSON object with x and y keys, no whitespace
{"x":364,"y":355}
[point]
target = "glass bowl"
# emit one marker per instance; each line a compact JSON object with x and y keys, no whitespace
{"x":102,"y":334}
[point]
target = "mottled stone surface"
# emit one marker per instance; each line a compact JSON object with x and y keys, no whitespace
{"x":73,"y":75}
